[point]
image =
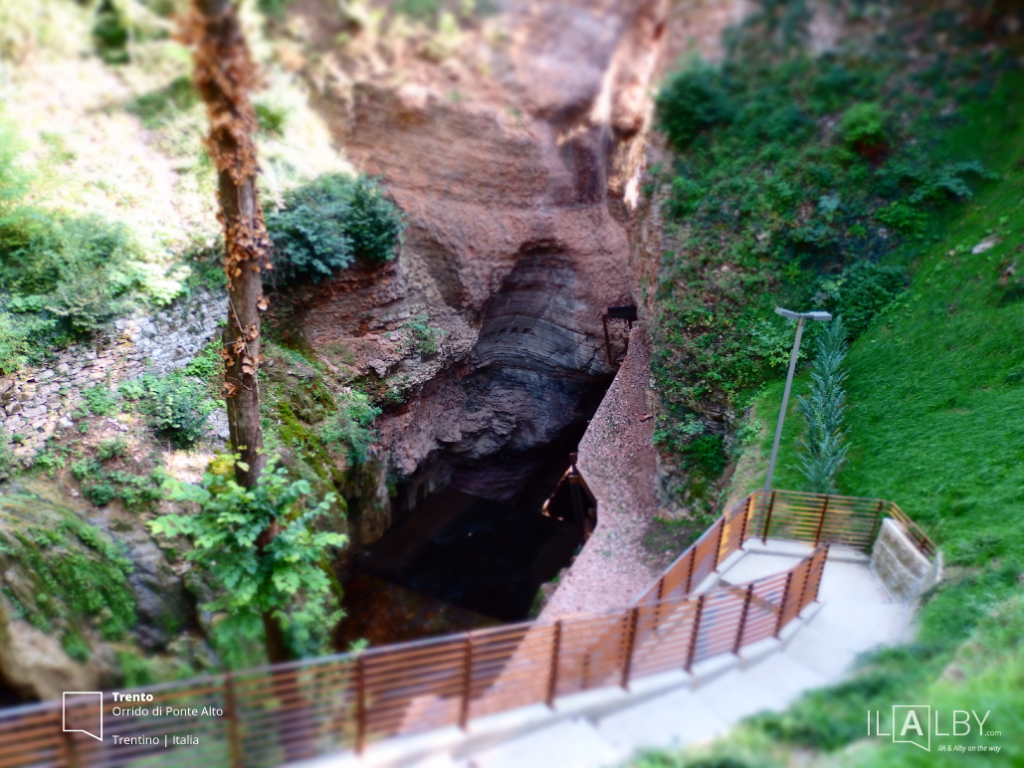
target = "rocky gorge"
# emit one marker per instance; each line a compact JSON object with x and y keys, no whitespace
{"x":516,"y":149}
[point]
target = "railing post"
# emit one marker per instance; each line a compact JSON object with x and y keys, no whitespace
{"x":824,"y":560}
{"x":234,"y":740}
{"x":467,"y":679}
{"x":694,"y":632}
{"x":785,"y":600}
{"x":70,"y":750}
{"x":360,"y":704}
{"x":768,"y":518}
{"x":556,"y":648}
{"x":874,"y":528}
{"x":743,"y":620}
{"x":632,"y":618}
{"x":689,"y":573}
{"x":821,"y":522}
{"x":718,"y":547}
{"x":746,"y":519}
{"x":661,"y":596}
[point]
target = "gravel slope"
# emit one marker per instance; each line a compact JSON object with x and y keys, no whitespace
{"x":618,"y":460}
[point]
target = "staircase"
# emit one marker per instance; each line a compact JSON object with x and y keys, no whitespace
{"x":604,"y":728}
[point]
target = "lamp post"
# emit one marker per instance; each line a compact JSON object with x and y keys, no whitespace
{"x":822,"y":317}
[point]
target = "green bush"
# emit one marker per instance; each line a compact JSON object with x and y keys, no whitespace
{"x":68,"y":275}
{"x":862,"y":291}
{"x":100,"y":493}
{"x":79,"y":271}
{"x":327,"y":223}
{"x":207,"y":365}
{"x":157,"y":107}
{"x":177,"y":407}
{"x":100,"y":400}
{"x":112,"y":449}
{"x":350,"y":426}
{"x":427,"y":337}
{"x":23,"y":340}
{"x":419,"y":9}
{"x":289,"y":579}
{"x":863,"y":125}
{"x":691,"y":101}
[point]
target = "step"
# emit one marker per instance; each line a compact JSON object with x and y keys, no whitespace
{"x":673,"y":720}
{"x":571,"y":744}
{"x":819,"y":652}
{"x":734,"y":696}
{"x":785,"y":676}
{"x":859,"y":627}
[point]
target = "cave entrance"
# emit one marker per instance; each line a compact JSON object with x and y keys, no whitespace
{"x":455,"y":560}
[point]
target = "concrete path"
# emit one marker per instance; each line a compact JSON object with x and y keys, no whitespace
{"x":604,"y":728}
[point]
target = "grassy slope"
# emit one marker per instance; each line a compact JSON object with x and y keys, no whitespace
{"x":936,"y":394}
{"x":936,"y":388}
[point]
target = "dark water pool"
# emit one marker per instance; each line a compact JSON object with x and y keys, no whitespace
{"x":485,"y":556}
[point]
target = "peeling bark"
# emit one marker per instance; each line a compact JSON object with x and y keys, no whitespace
{"x":224,"y":75}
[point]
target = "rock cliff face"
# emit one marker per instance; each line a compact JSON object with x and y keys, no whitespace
{"x":512,"y":161}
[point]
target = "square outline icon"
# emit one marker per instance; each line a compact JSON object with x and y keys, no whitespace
{"x":64,"y":714}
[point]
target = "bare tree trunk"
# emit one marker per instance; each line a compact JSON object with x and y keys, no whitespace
{"x":224,"y":75}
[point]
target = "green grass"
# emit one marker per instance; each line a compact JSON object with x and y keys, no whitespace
{"x":934,"y":384}
{"x":935,"y":393}
{"x":798,"y":180}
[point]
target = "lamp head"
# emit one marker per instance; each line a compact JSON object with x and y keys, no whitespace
{"x":822,"y":317}
{"x":787,"y":313}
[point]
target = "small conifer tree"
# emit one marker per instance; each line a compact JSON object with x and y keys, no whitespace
{"x":824,"y":442}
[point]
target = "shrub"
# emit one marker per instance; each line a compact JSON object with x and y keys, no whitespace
{"x":71,"y":274}
{"x":419,"y":9}
{"x":350,"y":425}
{"x":112,"y":449}
{"x":76,"y":270}
{"x":176,"y":406}
{"x":156,"y":107}
{"x":22,"y":340}
{"x":100,"y":400}
{"x":824,"y":452}
{"x":690,"y":102}
{"x":207,"y":365}
{"x":427,"y":337}
{"x":327,"y":223}
{"x":288,"y":579}
{"x":100,"y":493}
{"x":861,"y":292}
{"x":863,"y":125}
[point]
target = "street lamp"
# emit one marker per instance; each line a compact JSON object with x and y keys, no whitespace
{"x":822,"y":317}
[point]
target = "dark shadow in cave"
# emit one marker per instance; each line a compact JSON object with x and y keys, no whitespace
{"x":489,"y":556}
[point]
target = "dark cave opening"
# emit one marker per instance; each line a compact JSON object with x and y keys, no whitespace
{"x":454,"y":559}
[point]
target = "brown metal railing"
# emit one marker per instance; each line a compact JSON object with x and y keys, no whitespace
{"x":289,"y":712}
{"x":848,"y":520}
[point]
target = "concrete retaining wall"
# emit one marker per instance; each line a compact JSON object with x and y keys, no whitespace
{"x":34,"y":401}
{"x":900,"y":565}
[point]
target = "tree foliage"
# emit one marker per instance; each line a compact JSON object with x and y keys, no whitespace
{"x":327,"y":223}
{"x":286,"y":577}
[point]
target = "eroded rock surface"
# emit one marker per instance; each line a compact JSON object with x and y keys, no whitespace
{"x":511,"y":161}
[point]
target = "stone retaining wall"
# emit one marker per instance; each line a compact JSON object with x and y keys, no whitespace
{"x":901,"y":566}
{"x":35,"y":401}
